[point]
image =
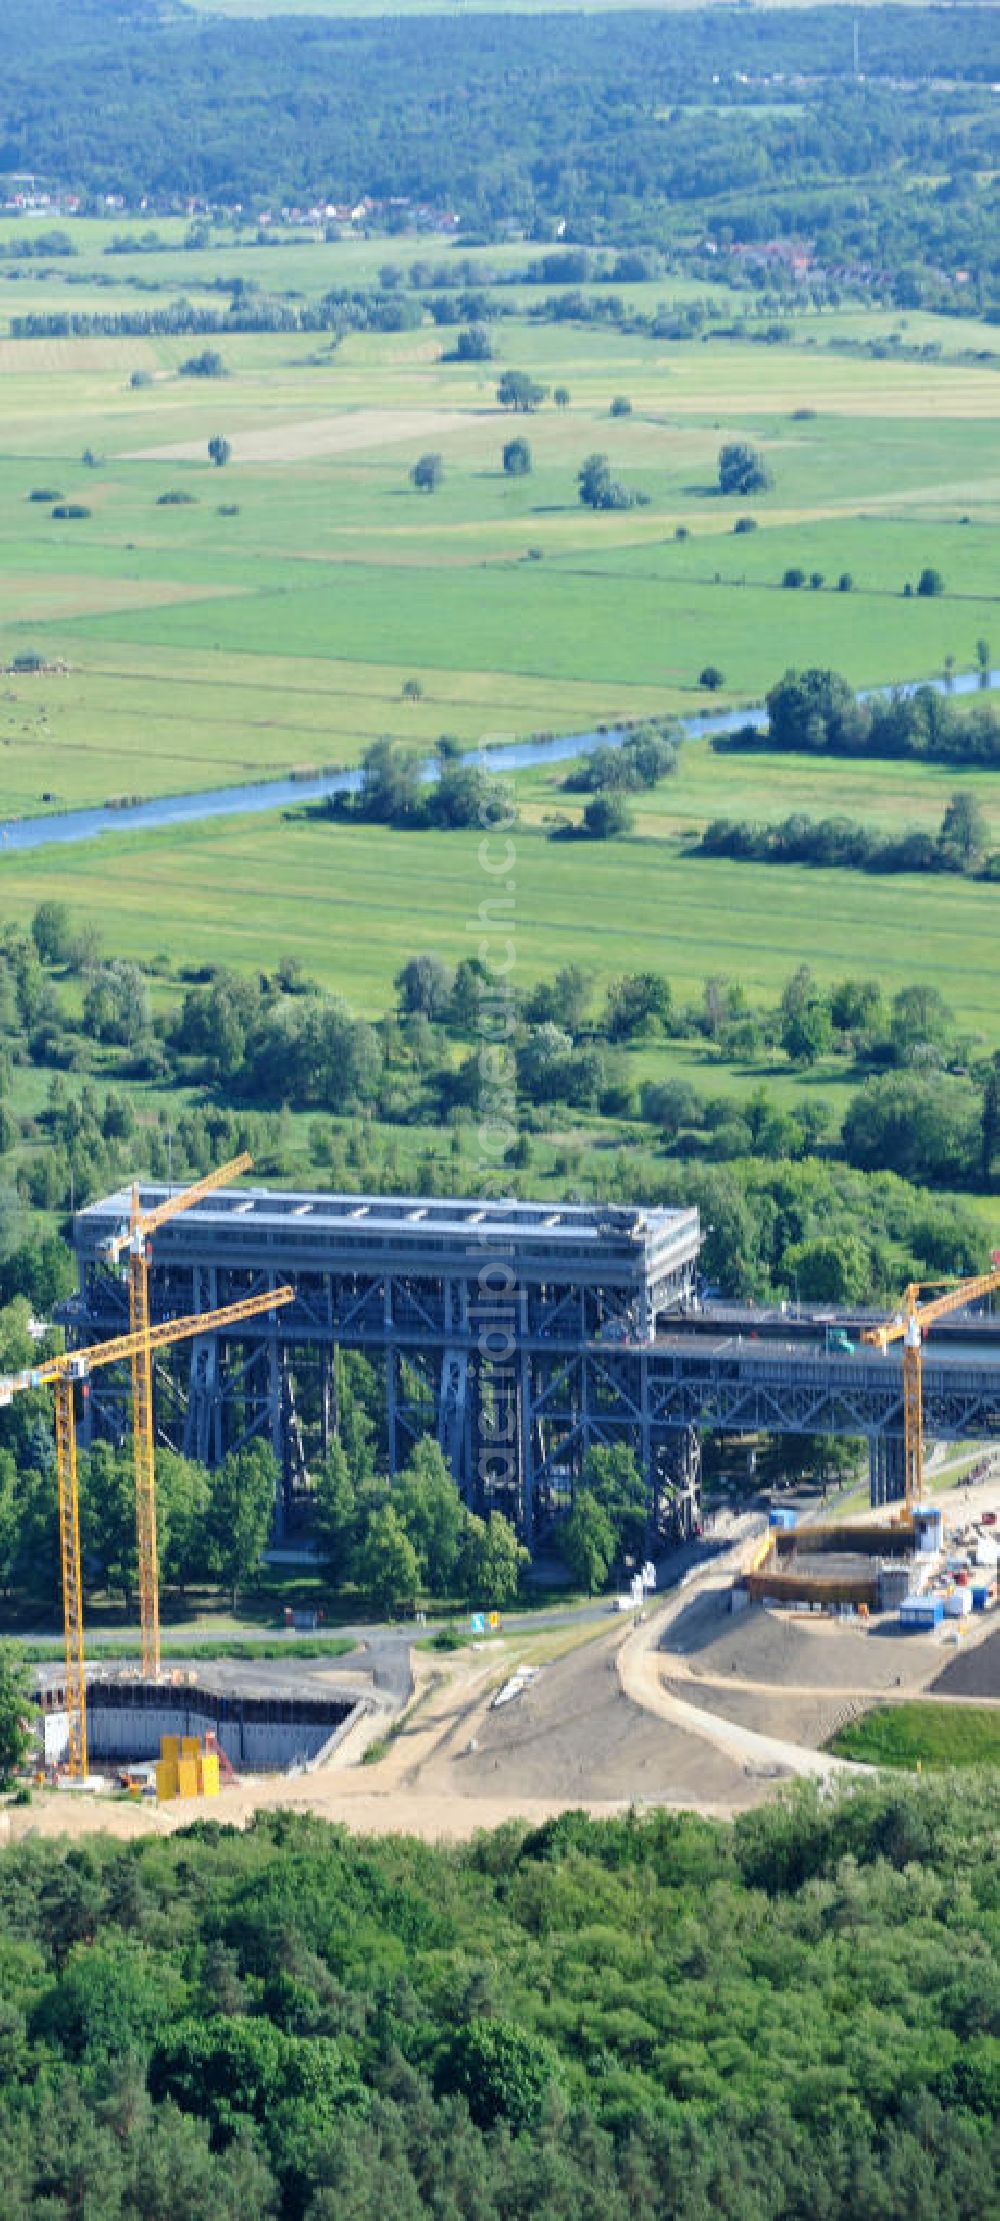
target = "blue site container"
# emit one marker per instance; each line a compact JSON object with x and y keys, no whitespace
{"x":781,"y":1517}
{"x":918,"y":1613}
{"x":928,"y":1524}
{"x":982,"y":1598}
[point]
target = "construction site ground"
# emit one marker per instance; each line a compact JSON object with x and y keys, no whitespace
{"x":695,"y":1706}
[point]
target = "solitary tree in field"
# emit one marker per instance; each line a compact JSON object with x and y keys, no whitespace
{"x":964,"y":831}
{"x":427,"y":473}
{"x":598,"y":490}
{"x":473,"y":345}
{"x":52,"y":932}
{"x":930,"y":581}
{"x":742,"y":469}
{"x":219,"y":451}
{"x":519,"y":392}
{"x":607,"y":817}
{"x":561,"y":397}
{"x":517,"y":458}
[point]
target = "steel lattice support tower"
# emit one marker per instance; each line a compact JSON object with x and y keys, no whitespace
{"x":145,"y":1465}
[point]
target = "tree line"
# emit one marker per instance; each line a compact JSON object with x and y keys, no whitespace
{"x":816,"y":712}
{"x":383,"y":1548}
{"x":395,"y":1543}
{"x":244,"y":1050}
{"x":961,"y":843}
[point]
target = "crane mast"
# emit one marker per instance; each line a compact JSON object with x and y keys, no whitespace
{"x":909,"y":1326}
{"x":72,"y":1576}
{"x":136,"y":1239}
{"x":144,"y":1451}
{"x":62,"y":1373}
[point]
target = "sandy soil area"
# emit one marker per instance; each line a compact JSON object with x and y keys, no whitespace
{"x":458,"y":1765}
{"x":973,"y":1673}
{"x":576,"y":1737}
{"x":314,"y":436}
{"x":695,"y":1707}
{"x":808,"y":1720}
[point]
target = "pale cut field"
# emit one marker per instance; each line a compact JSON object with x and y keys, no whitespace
{"x":53,"y":597}
{"x":367,"y":429}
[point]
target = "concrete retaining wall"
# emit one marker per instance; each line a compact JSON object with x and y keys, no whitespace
{"x":258,"y":1735}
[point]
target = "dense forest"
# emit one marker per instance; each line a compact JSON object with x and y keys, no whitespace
{"x":613,"y":126}
{"x":796,"y":2016}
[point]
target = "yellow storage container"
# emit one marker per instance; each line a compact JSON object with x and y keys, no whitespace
{"x":170,"y":1748}
{"x":166,"y":1778}
{"x":208,"y":1774}
{"x":187,"y":1777}
{"x":190,"y":1746}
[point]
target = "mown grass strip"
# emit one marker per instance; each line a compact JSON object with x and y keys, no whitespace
{"x":922,"y":1735}
{"x":225,"y":1647}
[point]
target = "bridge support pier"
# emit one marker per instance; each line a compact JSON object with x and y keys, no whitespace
{"x":676,"y":1494}
{"x":203,"y":1420}
{"x":886,"y":1470}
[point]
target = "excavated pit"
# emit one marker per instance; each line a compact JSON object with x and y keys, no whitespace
{"x":260,"y":1732}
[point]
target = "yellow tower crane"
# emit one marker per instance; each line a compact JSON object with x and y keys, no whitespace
{"x":135,"y":1239}
{"x":62,"y":1374}
{"x":909,"y":1327}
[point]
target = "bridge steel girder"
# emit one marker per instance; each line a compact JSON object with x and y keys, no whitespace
{"x":539,"y":1369}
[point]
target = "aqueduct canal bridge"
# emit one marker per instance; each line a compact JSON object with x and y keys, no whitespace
{"x":519,"y":1334}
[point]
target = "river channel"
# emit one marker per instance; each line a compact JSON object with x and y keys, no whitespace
{"x":60,"y":828}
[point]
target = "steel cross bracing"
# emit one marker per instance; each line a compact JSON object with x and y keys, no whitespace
{"x":554,"y":1334}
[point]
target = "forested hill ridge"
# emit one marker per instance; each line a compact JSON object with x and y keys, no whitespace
{"x":792,"y":2017}
{"x":616,"y":126}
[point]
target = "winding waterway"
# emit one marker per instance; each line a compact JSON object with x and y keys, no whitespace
{"x":276,"y":794}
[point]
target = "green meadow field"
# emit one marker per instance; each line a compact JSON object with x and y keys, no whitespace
{"x":913,"y":1736}
{"x":268,"y":622}
{"x":764,"y":787}
{"x":353,"y":902}
{"x":205,"y":647}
